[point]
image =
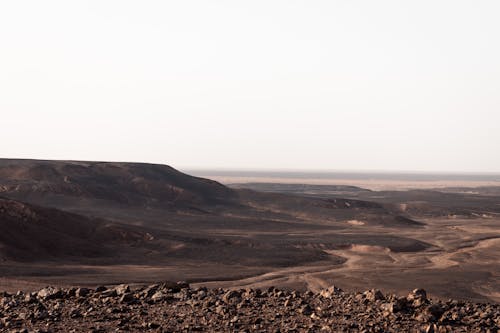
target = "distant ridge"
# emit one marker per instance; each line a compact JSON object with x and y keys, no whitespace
{"x":354,"y":175}
{"x":125,"y":183}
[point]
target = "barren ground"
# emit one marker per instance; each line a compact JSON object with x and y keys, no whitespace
{"x":295,"y":236}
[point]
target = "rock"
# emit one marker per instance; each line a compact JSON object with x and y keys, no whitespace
{"x":306,"y":310}
{"x":436,"y":310}
{"x":373,"y":295}
{"x":122,"y":289}
{"x":82,"y":292}
{"x":201,"y":294}
{"x":231,"y":295}
{"x":247,"y":311}
{"x":108,"y":293}
{"x":417,"y":297}
{"x":220,"y":310}
{"x":158,"y":296}
{"x":417,"y":294}
{"x":424,"y":317}
{"x":399,"y":304}
{"x":49,"y":293}
{"x":100,"y":289}
{"x":314,"y":316}
{"x":29,"y":298}
{"x":330,"y":291}
{"x":153,"y":326}
{"x":127,"y":298}
{"x":150,"y":290}
{"x":431,"y":328}
{"x":75,"y":313}
{"x":182,"y":284}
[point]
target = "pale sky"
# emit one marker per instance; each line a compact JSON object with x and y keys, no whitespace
{"x":320,"y":85}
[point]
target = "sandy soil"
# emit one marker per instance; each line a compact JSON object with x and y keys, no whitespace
{"x":475,"y":267}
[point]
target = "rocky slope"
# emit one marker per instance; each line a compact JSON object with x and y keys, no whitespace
{"x":31,"y":233}
{"x":136,"y":184}
{"x":170,"y":307}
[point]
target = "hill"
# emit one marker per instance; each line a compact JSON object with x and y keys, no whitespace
{"x":135,"y":184}
{"x":71,"y":222}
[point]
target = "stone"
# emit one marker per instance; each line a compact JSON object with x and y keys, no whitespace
{"x":82,"y":292}
{"x":431,"y":328}
{"x":436,"y":310}
{"x":182,"y":284}
{"x":127,"y":298}
{"x":158,"y":296}
{"x":417,"y":297}
{"x":399,"y":304}
{"x":230,"y":295}
{"x":49,"y":293}
{"x":100,"y":289}
{"x":306,"y":310}
{"x":122,"y":289}
{"x":241,"y":310}
{"x":29,"y":298}
{"x":373,"y":295}
{"x":153,"y":326}
{"x":330,"y":291}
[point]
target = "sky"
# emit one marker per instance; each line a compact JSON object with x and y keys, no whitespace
{"x":292,"y":85}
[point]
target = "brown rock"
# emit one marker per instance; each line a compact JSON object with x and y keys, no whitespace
{"x":122,"y":289}
{"x":306,"y":310}
{"x":417,"y":297}
{"x":374,"y":295}
{"x":82,"y":292}
{"x":330,"y":291}
{"x":230,"y":295}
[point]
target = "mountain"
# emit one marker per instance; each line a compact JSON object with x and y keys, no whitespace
{"x":131,"y":184}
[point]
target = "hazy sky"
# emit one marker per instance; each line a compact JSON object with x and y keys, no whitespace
{"x":364,"y":85}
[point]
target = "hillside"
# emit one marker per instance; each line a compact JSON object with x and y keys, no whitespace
{"x":132,"y":184}
{"x":70,"y":222}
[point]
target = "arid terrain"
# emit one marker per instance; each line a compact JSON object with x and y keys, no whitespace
{"x":70,"y":223}
{"x":177,"y":307}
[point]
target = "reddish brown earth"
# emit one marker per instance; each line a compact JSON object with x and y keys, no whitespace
{"x":169,"y":307}
{"x":68,"y":223}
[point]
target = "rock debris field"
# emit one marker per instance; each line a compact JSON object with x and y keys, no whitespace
{"x":175,"y":307}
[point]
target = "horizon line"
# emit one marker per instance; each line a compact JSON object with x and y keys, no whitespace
{"x":219,"y":169}
{"x":338,"y":171}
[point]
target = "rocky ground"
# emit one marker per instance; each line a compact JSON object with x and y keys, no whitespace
{"x":175,"y":307}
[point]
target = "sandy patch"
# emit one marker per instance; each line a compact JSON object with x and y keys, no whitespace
{"x":369,"y":248}
{"x":355,"y":222}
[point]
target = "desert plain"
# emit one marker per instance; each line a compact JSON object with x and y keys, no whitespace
{"x":92,"y":223}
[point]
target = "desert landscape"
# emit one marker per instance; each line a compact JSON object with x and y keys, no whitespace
{"x":91,"y":224}
{"x":250,"y":166}
{"x":103,"y":223}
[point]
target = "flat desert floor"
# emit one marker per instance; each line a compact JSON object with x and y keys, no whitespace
{"x":463,"y":262}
